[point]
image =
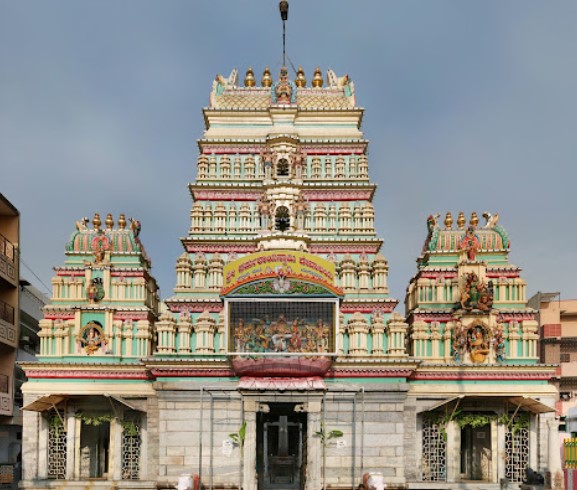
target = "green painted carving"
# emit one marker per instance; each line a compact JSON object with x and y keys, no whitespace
{"x":289,"y":288}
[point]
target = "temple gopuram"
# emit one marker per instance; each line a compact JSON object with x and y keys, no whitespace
{"x":278,"y":363}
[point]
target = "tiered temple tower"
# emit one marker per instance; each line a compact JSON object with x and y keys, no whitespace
{"x":282,"y":166}
{"x":477,"y":341}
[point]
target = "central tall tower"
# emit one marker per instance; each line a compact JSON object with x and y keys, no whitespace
{"x":283,"y":166}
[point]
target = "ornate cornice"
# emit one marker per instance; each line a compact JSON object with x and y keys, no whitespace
{"x":512,"y":316}
{"x":191,"y":372}
{"x":194,"y":306}
{"x":101,"y":372}
{"x":220,"y":247}
{"x":432,"y":317}
{"x":484,"y":373}
{"x":368,"y":306}
{"x":336,"y":248}
{"x":227,"y":195}
{"x":208,"y":147}
{"x":131,"y":315}
{"x":441,"y":274}
{"x":367,"y":372}
{"x":338,"y":195}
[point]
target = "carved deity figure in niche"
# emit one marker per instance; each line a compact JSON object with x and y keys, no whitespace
{"x":266,"y":158}
{"x":470,"y":244}
{"x":264,"y":209}
{"x":459,"y":344}
{"x":499,"y":345}
{"x":298,"y":160}
{"x":474,"y":294}
{"x":91,"y":338}
{"x":95,"y":290}
{"x":300,"y":207}
{"x":284,"y":89}
{"x":478,"y":344}
{"x":100,"y":245}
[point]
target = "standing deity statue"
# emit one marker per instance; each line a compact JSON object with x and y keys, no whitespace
{"x":298,"y":159}
{"x":266,"y":158}
{"x":300,"y":208}
{"x":264,"y":211}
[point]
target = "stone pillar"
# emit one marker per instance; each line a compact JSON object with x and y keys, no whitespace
{"x":45,"y":335}
{"x":314,"y":449}
{"x":378,"y":329}
{"x":249,"y":451}
{"x":184,"y":330}
{"x":554,"y":477}
{"x":204,"y":328}
{"x":397,"y":329}
{"x":165,"y":329}
{"x":358,"y":330}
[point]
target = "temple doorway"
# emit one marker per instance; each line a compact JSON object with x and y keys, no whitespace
{"x":476,"y":453}
{"x":281,"y":448}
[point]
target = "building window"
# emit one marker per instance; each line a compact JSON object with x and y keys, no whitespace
{"x":282,"y":168}
{"x":131,"y":443}
{"x":56,"y":447}
{"x":434,"y":462}
{"x":282,"y":219}
{"x":565,"y":358}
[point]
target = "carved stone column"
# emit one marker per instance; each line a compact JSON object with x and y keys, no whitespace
{"x":397,"y":330}
{"x":554,"y":477}
{"x":165,"y":329}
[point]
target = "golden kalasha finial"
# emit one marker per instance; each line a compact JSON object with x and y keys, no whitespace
{"x":448,"y":221}
{"x":300,"y":80}
{"x":122,"y":221}
{"x":266,"y":78}
{"x":461,"y":221}
{"x":249,"y":80}
{"x":317,"y":78}
{"x":474,"y":220}
{"x":109,"y":222}
{"x":96,"y":221}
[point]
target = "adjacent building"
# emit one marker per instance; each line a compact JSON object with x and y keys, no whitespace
{"x":9,"y":330}
{"x":278,"y":361}
{"x":558,"y":331}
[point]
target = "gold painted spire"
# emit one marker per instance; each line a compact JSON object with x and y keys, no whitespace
{"x":317,"y":78}
{"x":474,"y":220}
{"x":249,"y":80}
{"x":109,"y":222}
{"x":96,"y":221}
{"x":461,"y":221}
{"x":266,"y":80}
{"x":122,"y":221}
{"x":448,"y":221}
{"x":300,"y":80}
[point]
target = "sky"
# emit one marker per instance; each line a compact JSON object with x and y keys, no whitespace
{"x":469,"y":106}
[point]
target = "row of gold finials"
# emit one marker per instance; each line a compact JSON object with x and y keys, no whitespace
{"x":108,"y":222}
{"x":300,"y":80}
{"x":461,"y":221}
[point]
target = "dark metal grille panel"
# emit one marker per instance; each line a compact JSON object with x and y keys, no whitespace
{"x":517,"y":449}
{"x":434,"y":462}
{"x":131,"y":444}
{"x":56,"y":448}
